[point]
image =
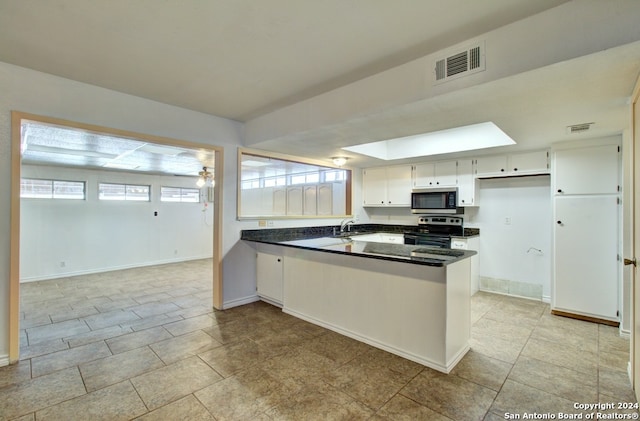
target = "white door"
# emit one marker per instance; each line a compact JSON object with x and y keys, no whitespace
{"x":269,"y":276}
{"x":635,"y":200}
{"x":586,"y":249}
{"x":466,"y":183}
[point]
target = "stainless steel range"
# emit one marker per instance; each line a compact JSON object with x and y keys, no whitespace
{"x":435,"y":231}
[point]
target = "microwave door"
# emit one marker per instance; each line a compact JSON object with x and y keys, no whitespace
{"x":428,"y":201}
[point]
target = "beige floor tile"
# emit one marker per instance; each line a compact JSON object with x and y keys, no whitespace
{"x":561,"y":381}
{"x":562,"y":355}
{"x":174,"y":349}
{"x":96,"y":336}
{"x":452,"y":396}
{"x":232,"y":329}
{"x":153,"y":308}
{"x":119,"y":367}
{"x":190,"y":325}
{"x":613,"y":359}
{"x":229,"y":359}
{"x":137,"y":339}
{"x":336,"y":347}
{"x":31,"y":395}
{"x":400,"y":408}
{"x":244,"y":396}
{"x":41,"y":348}
{"x":610,"y":339}
{"x":170,"y":383}
{"x":187,"y":408}
{"x":319,"y":402}
{"x":615,"y":383}
{"x":578,"y":339}
{"x":502,"y":329}
{"x":15,"y":373}
{"x":497,"y":348}
{"x":482,"y":370}
{"x":298,"y":367}
{"x":56,"y":330}
{"x":517,"y":398}
{"x":113,"y":403}
{"x":68,"y":358}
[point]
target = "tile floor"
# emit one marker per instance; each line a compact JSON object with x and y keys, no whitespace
{"x":144,"y":344}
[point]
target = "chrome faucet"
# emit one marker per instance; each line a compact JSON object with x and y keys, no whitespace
{"x":345,"y":223}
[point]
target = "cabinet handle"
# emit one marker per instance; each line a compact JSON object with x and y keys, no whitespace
{"x":559,"y":190}
{"x":502,"y":169}
{"x":437,"y":182}
{"x":279,"y":260}
{"x":515,"y":169}
{"x":559,"y":222}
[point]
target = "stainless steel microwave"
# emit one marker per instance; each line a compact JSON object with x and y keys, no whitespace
{"x":439,"y":200}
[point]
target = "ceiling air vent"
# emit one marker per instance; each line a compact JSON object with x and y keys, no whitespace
{"x":579,"y":128}
{"x":462,"y":63}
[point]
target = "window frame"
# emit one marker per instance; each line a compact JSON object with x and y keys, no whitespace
{"x":53,"y":189}
{"x":181,"y":195}
{"x":126,"y":188}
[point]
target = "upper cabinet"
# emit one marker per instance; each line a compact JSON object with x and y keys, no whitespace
{"x":387,"y":186}
{"x":466,"y":183}
{"x":435,"y":174}
{"x":590,"y":170}
{"x":526,"y":163}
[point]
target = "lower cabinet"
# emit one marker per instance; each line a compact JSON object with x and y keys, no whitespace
{"x":269,"y":277}
{"x":470,"y":243}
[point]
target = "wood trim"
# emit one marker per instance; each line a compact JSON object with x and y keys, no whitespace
{"x":14,"y":267}
{"x":585,"y":318}
{"x":14,"y":251}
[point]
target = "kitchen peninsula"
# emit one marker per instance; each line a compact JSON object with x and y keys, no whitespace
{"x":412,"y":301}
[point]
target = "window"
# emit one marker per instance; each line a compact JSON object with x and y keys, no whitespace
{"x":179,"y":194}
{"x":107,"y":191}
{"x":52,"y":189}
{"x":276,"y":185}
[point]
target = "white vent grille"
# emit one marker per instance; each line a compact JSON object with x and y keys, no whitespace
{"x":462,"y":63}
{"x":579,"y":128}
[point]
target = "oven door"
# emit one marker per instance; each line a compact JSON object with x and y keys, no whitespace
{"x":428,"y":240}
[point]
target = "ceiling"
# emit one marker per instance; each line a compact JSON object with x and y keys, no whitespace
{"x":243,"y":58}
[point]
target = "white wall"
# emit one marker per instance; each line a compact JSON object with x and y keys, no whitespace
{"x":70,"y":237}
{"x":43,"y":94}
{"x":507,"y":250}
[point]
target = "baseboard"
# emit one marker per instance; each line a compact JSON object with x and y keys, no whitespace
{"x":380,"y":345}
{"x":4,"y":360}
{"x":240,"y":302}
{"x":108,"y":269}
{"x":586,"y":318}
{"x":506,"y":294}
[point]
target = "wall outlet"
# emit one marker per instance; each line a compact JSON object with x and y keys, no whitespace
{"x":269,"y":223}
{"x":63,"y":264}
{"x":262,"y":223}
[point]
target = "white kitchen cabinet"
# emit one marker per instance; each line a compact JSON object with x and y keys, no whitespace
{"x":294,"y":200}
{"x":269,"y":277}
{"x":279,"y":201}
{"x":524,"y":163}
{"x":310,"y":200}
{"x":435,"y":174}
{"x":387,"y":186}
{"x":325,"y":199}
{"x":466,"y":183}
{"x":491,"y":166}
{"x":586,"y":256}
{"x":470,"y":243}
{"x":536,"y":162}
{"x":590,"y":170}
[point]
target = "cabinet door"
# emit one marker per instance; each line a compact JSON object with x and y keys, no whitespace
{"x":445,"y":173}
{"x":310,"y":200}
{"x":529,"y":163}
{"x":269,"y":277}
{"x":280,"y":201}
{"x":399,"y":185}
{"x":325,"y":199}
{"x":589,"y":170}
{"x":374,"y":186}
{"x":491,"y":165}
{"x":294,"y":200}
{"x":586,"y":262}
{"x":424,"y":175}
{"x":466,"y":183}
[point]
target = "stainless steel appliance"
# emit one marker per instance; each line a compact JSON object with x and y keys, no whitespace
{"x":439,"y":200}
{"x":435,"y":231}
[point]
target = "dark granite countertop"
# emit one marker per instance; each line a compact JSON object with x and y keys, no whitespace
{"x":323,"y":241}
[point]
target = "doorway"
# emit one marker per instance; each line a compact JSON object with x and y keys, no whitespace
{"x":159,"y":142}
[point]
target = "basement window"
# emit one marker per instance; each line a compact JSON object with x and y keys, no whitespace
{"x":179,"y":194}
{"x":34,"y":188}
{"x":128,"y":192}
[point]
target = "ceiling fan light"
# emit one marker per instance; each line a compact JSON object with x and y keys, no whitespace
{"x":339,"y":161}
